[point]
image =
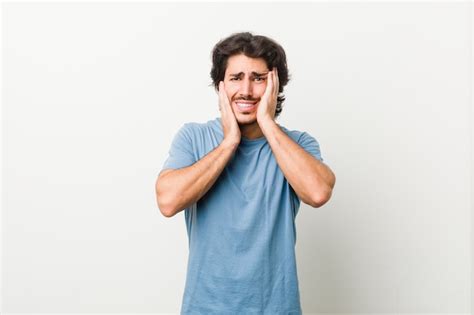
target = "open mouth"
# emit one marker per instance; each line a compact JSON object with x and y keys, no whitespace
{"x":246,"y":106}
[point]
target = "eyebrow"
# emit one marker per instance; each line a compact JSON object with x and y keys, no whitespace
{"x":257,"y":74}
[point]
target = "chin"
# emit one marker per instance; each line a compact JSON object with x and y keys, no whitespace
{"x":246,"y":119}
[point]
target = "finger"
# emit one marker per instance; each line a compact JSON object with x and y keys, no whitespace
{"x":223,"y":99}
{"x":269,"y":87}
{"x":219,"y":90}
{"x":222,"y":95}
{"x":277,"y":81}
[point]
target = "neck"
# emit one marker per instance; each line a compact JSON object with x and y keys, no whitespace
{"x":251,"y":131}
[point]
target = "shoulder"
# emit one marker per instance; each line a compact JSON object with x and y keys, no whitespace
{"x":198,"y":128}
{"x":306,"y":141}
{"x":297,"y":135}
{"x":201,"y":135}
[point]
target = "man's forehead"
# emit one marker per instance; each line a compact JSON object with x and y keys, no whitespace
{"x":246,"y":65}
{"x":247,"y":69}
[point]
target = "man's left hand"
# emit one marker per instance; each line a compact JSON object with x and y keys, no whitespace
{"x":266,"y":108}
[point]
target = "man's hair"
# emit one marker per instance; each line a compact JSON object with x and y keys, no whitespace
{"x":253,"y":46}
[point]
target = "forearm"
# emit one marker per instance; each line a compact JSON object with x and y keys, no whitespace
{"x":181,"y":188}
{"x":311,"y":179}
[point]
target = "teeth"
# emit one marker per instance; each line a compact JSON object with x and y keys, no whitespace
{"x":245,"y":104}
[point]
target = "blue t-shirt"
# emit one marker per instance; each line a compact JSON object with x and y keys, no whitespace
{"x":242,"y":231}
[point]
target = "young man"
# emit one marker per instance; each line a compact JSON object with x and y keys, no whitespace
{"x":240,"y":179}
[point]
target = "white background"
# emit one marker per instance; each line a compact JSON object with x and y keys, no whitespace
{"x":94,"y":92}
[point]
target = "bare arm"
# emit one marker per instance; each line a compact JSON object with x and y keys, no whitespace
{"x":312,"y":180}
{"x":178,"y":189}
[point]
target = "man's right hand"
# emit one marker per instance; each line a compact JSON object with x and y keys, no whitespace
{"x":230,"y":126}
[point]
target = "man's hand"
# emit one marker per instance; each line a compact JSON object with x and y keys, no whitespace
{"x":266,"y":108}
{"x":229,"y":123}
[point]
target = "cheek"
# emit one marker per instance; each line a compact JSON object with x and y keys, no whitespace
{"x":229,"y":95}
{"x":260,"y":89}
{"x":231,"y":91}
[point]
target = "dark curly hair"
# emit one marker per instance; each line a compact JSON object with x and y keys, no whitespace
{"x":253,"y":46}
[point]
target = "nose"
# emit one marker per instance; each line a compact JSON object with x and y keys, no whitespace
{"x":246,"y":87}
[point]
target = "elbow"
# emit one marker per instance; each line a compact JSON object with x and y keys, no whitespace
{"x":321,"y":198}
{"x":164,"y":205}
{"x":165,"y":210}
{"x":332,"y":181}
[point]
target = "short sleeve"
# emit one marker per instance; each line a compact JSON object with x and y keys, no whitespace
{"x":311,"y":145}
{"x":181,"y":153}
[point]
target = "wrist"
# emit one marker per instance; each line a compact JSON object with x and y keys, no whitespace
{"x":231,"y":144}
{"x":266,"y":122}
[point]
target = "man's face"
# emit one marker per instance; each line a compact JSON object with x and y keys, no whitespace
{"x":245,"y":82}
